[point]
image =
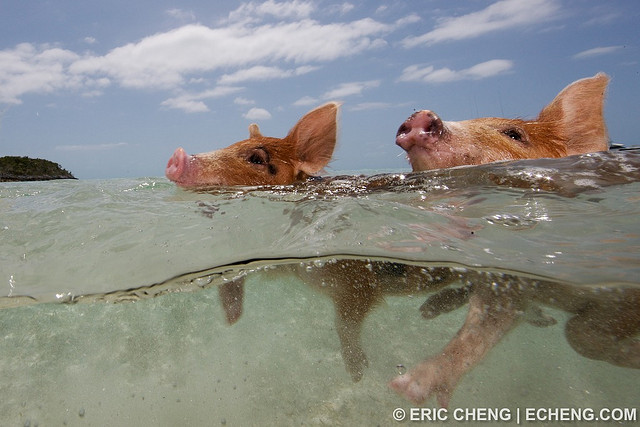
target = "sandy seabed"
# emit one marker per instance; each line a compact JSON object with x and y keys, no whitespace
{"x":172,"y":360}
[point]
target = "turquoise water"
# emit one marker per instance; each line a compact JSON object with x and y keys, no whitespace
{"x":111,"y":315}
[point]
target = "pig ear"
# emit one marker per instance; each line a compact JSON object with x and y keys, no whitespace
{"x":314,"y":137}
{"x":578,"y":111}
{"x":254,"y":131}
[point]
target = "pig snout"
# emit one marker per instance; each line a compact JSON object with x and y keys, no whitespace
{"x":422,"y":128}
{"x":177,"y":165}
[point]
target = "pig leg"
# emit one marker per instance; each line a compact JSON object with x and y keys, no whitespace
{"x":231,"y":295}
{"x":444,"y":301}
{"x":489,"y":318}
{"x":453,"y":298}
{"x":352,"y":305}
{"x":607,"y":333}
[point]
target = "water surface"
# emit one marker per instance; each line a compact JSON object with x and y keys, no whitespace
{"x":68,"y":249}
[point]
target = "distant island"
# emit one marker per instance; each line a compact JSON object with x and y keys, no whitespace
{"x":14,"y":168}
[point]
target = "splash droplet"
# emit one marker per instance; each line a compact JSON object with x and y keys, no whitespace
{"x":12,"y":285}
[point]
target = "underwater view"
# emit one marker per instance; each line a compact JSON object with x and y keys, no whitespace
{"x":509,"y":291}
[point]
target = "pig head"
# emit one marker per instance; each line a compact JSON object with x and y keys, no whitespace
{"x":262,"y":160}
{"x":573,"y":123}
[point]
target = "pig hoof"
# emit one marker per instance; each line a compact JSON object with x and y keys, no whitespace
{"x":406,"y":386}
{"x":426,"y":379}
{"x":355,"y":364}
{"x":536,"y":317}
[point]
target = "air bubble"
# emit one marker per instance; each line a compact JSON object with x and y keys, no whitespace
{"x":511,"y":221}
{"x":203,"y":281}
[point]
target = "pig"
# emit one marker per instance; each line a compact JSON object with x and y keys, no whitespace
{"x":261,"y":160}
{"x":355,"y":286}
{"x":604,"y":326}
{"x":573,"y":123}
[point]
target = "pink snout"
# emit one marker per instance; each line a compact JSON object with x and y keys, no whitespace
{"x":422,"y":128}
{"x":177,"y":165}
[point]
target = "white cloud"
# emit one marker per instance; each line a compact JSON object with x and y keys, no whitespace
{"x":429,"y":74}
{"x":341,"y":9}
{"x":381,"y":9}
{"x":350,"y":89}
{"x":501,"y":15}
{"x":186,"y":104}
{"x":29,"y":69}
{"x":596,"y":51}
{"x":92,"y":93}
{"x":90,"y":40}
{"x":488,"y":69}
{"x":306,"y":101}
{"x":178,"y":59}
{"x":406,"y":20}
{"x":257,"y":114}
{"x":341,"y":91}
{"x":197,"y":48}
{"x":89,"y":147}
{"x":193,"y":102}
{"x":603,"y":15}
{"x":261,"y":72}
{"x":243,"y":101}
{"x":181,"y":15}
{"x":281,"y":10}
{"x":363,"y":106}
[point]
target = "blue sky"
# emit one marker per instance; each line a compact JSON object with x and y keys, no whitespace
{"x":111,"y":88}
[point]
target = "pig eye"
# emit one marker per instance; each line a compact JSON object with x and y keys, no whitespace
{"x":258,"y":157}
{"x":515,"y":134}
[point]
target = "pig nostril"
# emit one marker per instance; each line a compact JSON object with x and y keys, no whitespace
{"x":430,"y":129}
{"x":403,"y":129}
{"x":433,"y":124}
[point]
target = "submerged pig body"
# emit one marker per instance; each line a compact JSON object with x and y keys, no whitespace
{"x":262,"y":160}
{"x":355,"y":286}
{"x":573,"y":123}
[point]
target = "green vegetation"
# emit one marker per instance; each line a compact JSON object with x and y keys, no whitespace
{"x":13,"y":168}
